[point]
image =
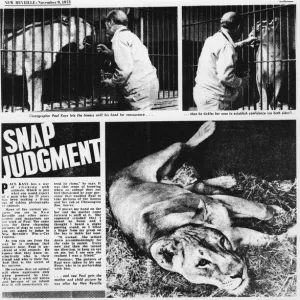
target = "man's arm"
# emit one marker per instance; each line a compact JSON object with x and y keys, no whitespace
{"x":124,"y":62}
{"x":225,"y":68}
{"x":102,"y":49}
{"x":251,"y":40}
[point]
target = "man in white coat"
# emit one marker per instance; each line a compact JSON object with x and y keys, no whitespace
{"x":135,"y":77}
{"x":217,"y":85}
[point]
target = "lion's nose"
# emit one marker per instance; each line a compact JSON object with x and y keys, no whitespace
{"x":239,"y":274}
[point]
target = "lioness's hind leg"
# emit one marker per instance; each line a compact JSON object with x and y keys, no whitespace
{"x":203,"y":133}
{"x":174,"y":162}
{"x":157,"y":165}
{"x":165,"y":162}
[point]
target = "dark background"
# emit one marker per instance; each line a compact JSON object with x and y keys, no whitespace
{"x":65,"y":133}
{"x":262,"y":148}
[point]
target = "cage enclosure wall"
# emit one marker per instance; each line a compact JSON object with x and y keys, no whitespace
{"x":272,"y":68}
{"x":49,"y":56}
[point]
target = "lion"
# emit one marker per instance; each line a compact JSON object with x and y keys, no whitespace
{"x":34,"y":49}
{"x":270,"y":68}
{"x":187,"y":229}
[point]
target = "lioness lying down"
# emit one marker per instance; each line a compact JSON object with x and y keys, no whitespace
{"x":183,"y":229}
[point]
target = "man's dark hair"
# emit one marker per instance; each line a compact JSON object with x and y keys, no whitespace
{"x":118,"y":17}
{"x":231,"y":20}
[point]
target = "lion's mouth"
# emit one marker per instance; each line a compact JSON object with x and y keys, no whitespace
{"x":237,"y":286}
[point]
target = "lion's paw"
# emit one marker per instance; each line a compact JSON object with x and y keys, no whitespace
{"x":292,"y":232}
{"x":227,"y":182}
{"x":203,"y":133}
{"x":6,"y":108}
{"x":277,"y":209}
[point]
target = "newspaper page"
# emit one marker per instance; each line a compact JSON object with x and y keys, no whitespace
{"x":148,"y":149}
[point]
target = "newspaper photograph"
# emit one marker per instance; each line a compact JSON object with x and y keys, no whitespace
{"x":210,"y":216}
{"x":148,"y":149}
{"x":89,"y":59}
{"x":250,"y":50}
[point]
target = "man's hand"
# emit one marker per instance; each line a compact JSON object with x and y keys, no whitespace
{"x":106,"y":82}
{"x":245,"y":81}
{"x":250,"y":41}
{"x":104,"y":50}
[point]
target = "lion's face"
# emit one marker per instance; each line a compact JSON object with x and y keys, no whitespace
{"x":264,"y":30}
{"x":204,"y":256}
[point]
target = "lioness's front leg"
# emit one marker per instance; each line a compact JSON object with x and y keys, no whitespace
{"x":213,"y":186}
{"x":242,"y":208}
{"x":244,"y":236}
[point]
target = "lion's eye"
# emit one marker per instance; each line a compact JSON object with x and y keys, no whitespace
{"x":224,"y":243}
{"x":202,"y":263}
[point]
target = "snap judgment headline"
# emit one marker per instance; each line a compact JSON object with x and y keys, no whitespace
{"x":30,"y":150}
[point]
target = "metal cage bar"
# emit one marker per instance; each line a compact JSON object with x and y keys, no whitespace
{"x":52,"y":57}
{"x":43,"y":55}
{"x":13,"y":62}
{"x":23,"y":65}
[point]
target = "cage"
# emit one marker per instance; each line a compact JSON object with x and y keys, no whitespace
{"x":66,"y":40}
{"x":271,"y":65}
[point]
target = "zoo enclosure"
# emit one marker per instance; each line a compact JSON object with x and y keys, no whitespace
{"x":73,"y":81}
{"x":201,"y":22}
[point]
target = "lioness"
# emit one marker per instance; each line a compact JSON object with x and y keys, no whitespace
{"x":183,"y":229}
{"x":270,"y":69}
{"x":34,"y":49}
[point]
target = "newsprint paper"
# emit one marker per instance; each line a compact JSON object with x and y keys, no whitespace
{"x":148,"y":149}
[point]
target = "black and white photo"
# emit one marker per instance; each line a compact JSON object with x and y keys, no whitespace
{"x":212,"y":201}
{"x":98,"y":59}
{"x":239,"y":57}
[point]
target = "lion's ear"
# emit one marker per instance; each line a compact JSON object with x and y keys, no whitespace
{"x":65,"y":20}
{"x":274,"y":23}
{"x":164,"y":253}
